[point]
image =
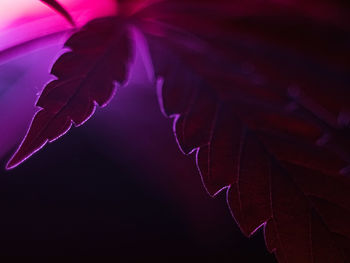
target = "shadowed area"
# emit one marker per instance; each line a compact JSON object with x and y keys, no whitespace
{"x":92,"y":196}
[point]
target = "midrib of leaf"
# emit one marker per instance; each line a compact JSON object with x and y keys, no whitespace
{"x":211,"y":134}
{"x":238,"y":167}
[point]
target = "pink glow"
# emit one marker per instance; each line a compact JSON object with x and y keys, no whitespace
{"x":15,"y":12}
{"x":22,"y":22}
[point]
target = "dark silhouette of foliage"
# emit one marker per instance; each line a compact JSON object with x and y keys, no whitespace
{"x":258,"y":89}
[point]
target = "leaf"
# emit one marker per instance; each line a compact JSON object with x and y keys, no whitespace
{"x":260,"y":91}
{"x":60,"y":9}
{"x":99,"y":56}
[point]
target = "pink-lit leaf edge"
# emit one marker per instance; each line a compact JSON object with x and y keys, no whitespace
{"x":93,"y":55}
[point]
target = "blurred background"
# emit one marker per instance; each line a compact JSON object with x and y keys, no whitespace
{"x":116,"y":187}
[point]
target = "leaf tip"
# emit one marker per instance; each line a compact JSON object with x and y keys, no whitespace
{"x":14,"y":162}
{"x":21,"y":155}
{"x":26,"y":149}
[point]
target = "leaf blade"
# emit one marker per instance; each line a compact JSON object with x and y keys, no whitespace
{"x":267,"y":126}
{"x":85,"y":79}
